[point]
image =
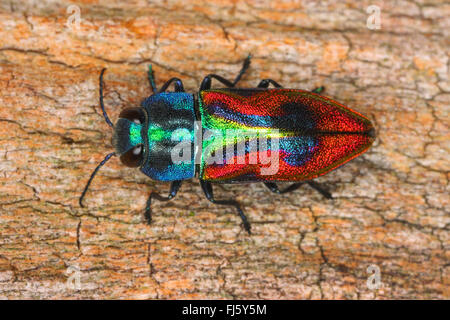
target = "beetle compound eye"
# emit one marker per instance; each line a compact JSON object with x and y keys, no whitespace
{"x":137,"y":150}
{"x":133,"y":157}
{"x":135,"y":115}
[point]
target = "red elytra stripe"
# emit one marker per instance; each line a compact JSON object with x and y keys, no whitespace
{"x":328,"y":114}
{"x":333,"y":151}
{"x":263,"y":103}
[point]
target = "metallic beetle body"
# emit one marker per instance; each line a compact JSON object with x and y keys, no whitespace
{"x":316,"y":134}
{"x":313,"y":136}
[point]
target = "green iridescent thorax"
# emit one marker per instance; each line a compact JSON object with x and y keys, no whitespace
{"x":170,"y":129}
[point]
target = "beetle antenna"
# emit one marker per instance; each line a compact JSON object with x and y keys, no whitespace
{"x":92,"y":177}
{"x":105,"y":115}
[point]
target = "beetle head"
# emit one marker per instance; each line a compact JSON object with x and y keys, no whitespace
{"x":127,"y":138}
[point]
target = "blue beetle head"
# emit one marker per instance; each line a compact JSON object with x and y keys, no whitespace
{"x":128,"y":136}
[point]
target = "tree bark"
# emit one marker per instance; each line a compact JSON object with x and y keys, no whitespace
{"x":390,"y":213}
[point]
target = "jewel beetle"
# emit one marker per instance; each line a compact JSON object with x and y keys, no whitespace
{"x":306,"y":135}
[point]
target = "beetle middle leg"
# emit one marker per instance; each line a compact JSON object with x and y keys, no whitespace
{"x":208,"y":190}
{"x":274,"y":188}
{"x":266,"y":82}
{"x":178,"y":84}
{"x":174,"y":187}
{"x":206,"y":83}
{"x":244,"y":68}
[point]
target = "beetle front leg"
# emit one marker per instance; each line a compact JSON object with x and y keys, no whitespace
{"x":208,"y":190}
{"x":151,"y":79}
{"x":174,"y":187}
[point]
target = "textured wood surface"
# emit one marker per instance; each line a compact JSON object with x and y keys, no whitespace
{"x":391,"y":206}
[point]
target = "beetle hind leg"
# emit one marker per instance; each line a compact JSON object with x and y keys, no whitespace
{"x":174,"y":187}
{"x":151,"y":78}
{"x":318,"y":187}
{"x":266,"y":82}
{"x":208,"y":190}
{"x":318,"y":90}
{"x":274,"y":188}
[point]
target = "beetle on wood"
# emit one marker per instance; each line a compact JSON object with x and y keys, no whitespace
{"x":302,"y":134}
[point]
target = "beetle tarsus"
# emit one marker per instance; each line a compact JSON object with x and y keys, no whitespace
{"x":148,"y":216}
{"x":272,"y":186}
{"x":316,"y":186}
{"x":318,"y":90}
{"x":245,"y":66}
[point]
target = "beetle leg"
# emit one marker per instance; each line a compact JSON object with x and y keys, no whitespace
{"x":151,"y":78}
{"x":208,"y":190}
{"x":265,"y":83}
{"x":319,"y":90}
{"x":244,"y":68}
{"x":174,"y":187}
{"x":178,"y":84}
{"x":274,"y":188}
{"x":316,"y":186}
{"x":206,"y":83}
